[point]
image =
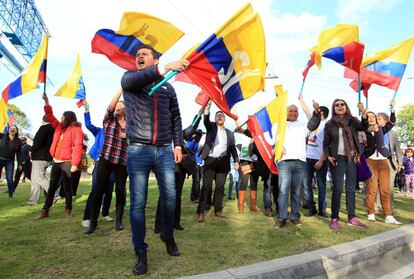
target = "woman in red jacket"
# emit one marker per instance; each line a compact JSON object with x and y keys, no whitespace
{"x":66,"y":150}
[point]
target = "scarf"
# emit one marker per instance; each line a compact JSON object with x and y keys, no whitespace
{"x":345,"y":123}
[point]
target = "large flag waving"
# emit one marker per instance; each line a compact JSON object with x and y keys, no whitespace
{"x":73,"y":88}
{"x":135,"y":29}
{"x":268,"y":128}
{"x":230,"y":65}
{"x":11,"y":121}
{"x":35,"y":72}
{"x":4,"y":116}
{"x":386,"y":67}
{"x":339,"y":43}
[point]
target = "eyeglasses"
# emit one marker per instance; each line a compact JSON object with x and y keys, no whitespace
{"x":337,"y":105}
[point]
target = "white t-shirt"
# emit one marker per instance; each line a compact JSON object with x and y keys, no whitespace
{"x":315,"y":142}
{"x":295,"y":141}
{"x":341,"y":144}
{"x":220,"y":143}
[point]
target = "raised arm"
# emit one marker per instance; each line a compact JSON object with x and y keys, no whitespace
{"x":305,"y":108}
{"x":49,"y":113}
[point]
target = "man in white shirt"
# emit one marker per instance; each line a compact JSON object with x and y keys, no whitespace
{"x":219,"y":144}
{"x":293,"y":163}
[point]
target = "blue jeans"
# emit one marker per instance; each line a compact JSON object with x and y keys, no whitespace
{"x":107,"y":197}
{"x":291,"y":175}
{"x":9,"y":167}
{"x":267,"y":192}
{"x":141,"y":160}
{"x":320,"y":181}
{"x":234,"y":179}
{"x":338,"y":172}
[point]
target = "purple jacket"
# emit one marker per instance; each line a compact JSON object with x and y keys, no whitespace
{"x":408,"y":166}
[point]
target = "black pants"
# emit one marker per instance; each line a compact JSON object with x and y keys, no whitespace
{"x":26,"y":169}
{"x":195,"y":187}
{"x":180,"y":175}
{"x":104,"y":170}
{"x":58,"y":170}
{"x":217,"y":170}
{"x":74,"y":184}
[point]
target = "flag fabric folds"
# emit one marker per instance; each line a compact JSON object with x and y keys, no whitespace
{"x":349,"y":55}
{"x":35,"y":72}
{"x":11,"y":121}
{"x":4,"y":115}
{"x":311,"y":62}
{"x":330,"y":38}
{"x":73,"y":88}
{"x":135,"y":29}
{"x":202,"y":98}
{"x":385,"y":68}
{"x":268,"y":128}
{"x":230,"y":65}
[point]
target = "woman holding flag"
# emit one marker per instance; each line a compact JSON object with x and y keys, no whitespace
{"x":341,"y":148}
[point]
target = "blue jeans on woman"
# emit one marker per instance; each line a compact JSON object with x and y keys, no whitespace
{"x":338,"y":172}
{"x":9,"y":168}
{"x":320,"y":181}
{"x":291,"y":173}
{"x":142,"y":159}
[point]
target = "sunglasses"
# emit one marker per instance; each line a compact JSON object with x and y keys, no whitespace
{"x":337,"y":105}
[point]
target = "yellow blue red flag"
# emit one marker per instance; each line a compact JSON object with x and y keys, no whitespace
{"x":268,"y":128}
{"x":34,"y":73}
{"x":135,"y":29}
{"x":230,"y":65}
{"x":74,"y":87}
{"x":4,"y":116}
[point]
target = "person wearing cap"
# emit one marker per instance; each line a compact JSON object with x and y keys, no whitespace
{"x":155,"y":140}
{"x":218,"y":147}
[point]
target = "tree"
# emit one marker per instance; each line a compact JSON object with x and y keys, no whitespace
{"x":405,"y":124}
{"x":21,"y":118}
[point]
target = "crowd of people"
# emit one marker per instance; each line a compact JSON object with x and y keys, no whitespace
{"x":144,"y":134}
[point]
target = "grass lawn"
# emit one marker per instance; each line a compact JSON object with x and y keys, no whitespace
{"x":57,"y":248}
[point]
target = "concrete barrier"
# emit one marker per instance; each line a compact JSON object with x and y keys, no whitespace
{"x":386,"y":255}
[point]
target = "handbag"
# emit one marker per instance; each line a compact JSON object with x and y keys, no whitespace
{"x":363,"y":171}
{"x":247,"y":168}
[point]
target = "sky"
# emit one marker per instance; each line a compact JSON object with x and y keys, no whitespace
{"x":291,"y":28}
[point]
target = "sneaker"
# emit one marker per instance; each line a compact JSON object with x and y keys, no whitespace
{"x":296,"y":222}
{"x":335,"y":226}
{"x":85,"y":223}
{"x":354,"y":221}
{"x":371,"y":217}
{"x":107,"y":218}
{"x":391,"y":220}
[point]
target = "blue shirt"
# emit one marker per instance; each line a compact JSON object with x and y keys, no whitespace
{"x":99,"y":135}
{"x":192,"y":145}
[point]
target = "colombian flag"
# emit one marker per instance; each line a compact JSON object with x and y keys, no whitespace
{"x":339,"y":43}
{"x":34,"y":73}
{"x":135,"y":29}
{"x":4,"y":115}
{"x":386,"y":67}
{"x":230,"y":65}
{"x":73,"y":88}
{"x":11,"y":121}
{"x":268,"y":128}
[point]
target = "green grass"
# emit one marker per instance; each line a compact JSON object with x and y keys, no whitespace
{"x":57,"y":248}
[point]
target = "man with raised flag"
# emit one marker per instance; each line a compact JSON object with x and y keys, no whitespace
{"x":153,"y":124}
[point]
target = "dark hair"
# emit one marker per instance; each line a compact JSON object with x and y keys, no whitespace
{"x":17,"y":131}
{"x":220,"y":112}
{"x":325,"y":111}
{"x":408,"y":149}
{"x":69,"y":118}
{"x":154,"y":53}
{"x":44,"y":118}
{"x":376,"y":120}
{"x":348,"y":111}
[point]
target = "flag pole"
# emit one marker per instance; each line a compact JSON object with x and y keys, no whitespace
{"x":366,"y":100}
{"x":359,"y":89}
{"x":238,"y":127}
{"x":303,"y":84}
{"x":393,"y":97}
{"x":166,"y":78}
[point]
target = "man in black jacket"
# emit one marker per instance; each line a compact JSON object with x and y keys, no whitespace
{"x":219,"y":144}
{"x":23,"y":163}
{"x":153,"y":124}
{"x":41,"y":159}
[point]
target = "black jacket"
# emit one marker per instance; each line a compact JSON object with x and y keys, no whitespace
{"x":8,"y":148}
{"x":376,"y":142}
{"x":153,"y":119}
{"x":211,"y":137}
{"x":331,"y":137}
{"x":23,"y":155}
{"x":42,"y":142}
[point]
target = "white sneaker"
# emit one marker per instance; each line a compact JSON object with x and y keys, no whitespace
{"x":86,"y":223}
{"x":371,"y":217}
{"x":107,"y":218}
{"x":391,"y":220}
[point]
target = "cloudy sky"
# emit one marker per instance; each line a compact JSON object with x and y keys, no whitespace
{"x":291,"y":27}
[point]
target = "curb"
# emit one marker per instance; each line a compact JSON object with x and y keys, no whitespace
{"x":334,"y":262}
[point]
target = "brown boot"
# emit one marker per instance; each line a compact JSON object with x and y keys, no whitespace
{"x":43,"y":214}
{"x":268,"y":212}
{"x":68,"y":213}
{"x":253,"y":198}
{"x":200,"y":217}
{"x":242,"y":199}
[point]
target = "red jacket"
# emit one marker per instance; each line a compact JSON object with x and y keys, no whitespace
{"x":72,"y":145}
